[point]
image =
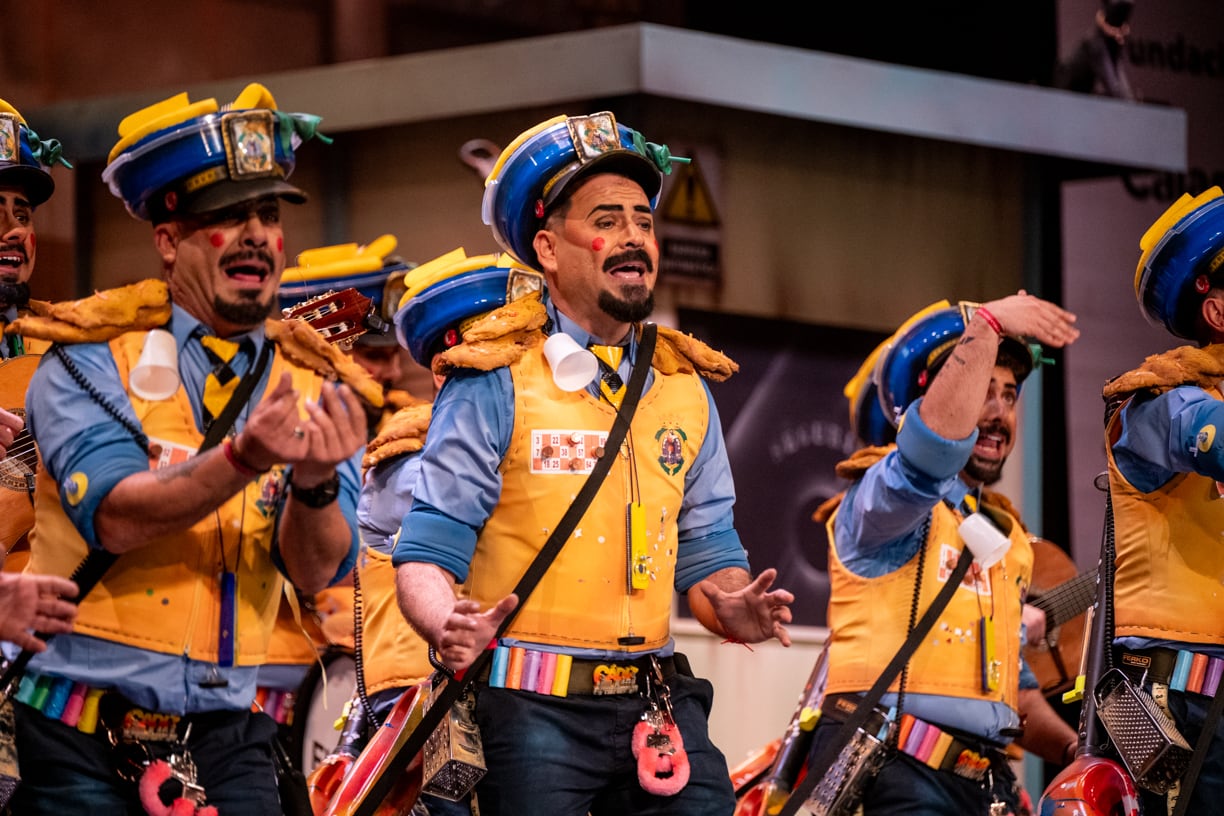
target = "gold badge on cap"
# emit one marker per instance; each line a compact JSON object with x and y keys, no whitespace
{"x":9,"y":146}
{"x":249,"y":147}
{"x":593,"y":135}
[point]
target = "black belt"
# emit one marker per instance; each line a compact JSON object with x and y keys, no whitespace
{"x":935,"y":746}
{"x":1179,"y":669}
{"x":561,"y":675}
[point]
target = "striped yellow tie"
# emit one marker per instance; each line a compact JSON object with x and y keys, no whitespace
{"x":220,"y":383}
{"x":610,"y":383}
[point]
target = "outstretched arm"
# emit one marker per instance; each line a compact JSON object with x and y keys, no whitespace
{"x":457,"y":629}
{"x":732,"y":604}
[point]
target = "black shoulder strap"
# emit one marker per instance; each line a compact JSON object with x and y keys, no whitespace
{"x":97,"y":561}
{"x":830,"y":752}
{"x":397,"y":762}
{"x":238,"y":400}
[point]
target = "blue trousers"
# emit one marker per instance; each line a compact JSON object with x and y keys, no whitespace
{"x":907,"y":787}
{"x":66,"y":771}
{"x":1189,"y":711}
{"x":570,"y":756}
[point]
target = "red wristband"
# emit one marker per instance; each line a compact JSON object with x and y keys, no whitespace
{"x":231,"y":456}
{"x":991,"y":320}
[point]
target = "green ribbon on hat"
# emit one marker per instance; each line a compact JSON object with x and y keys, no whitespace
{"x":46,"y":152}
{"x":305,"y":125}
{"x":659,"y":154}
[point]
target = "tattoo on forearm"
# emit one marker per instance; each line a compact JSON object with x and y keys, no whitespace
{"x":181,"y":470}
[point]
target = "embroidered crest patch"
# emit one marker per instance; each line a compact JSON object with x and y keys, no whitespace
{"x":671,"y":448}
{"x":593,"y":135}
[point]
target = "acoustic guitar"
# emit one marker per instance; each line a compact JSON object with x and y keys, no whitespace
{"x":21,"y":463}
{"x":1064,"y":594}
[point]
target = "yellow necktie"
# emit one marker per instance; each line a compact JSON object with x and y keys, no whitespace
{"x":220,"y":383}
{"x":610,"y":383}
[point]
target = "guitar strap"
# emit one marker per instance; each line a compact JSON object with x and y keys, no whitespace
{"x":95,"y":564}
{"x":440,"y":707}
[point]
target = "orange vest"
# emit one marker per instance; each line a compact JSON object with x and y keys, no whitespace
{"x":394,"y":655}
{"x":869,"y":616}
{"x":585,"y":600}
{"x":1167,"y":578}
{"x":166,"y":596}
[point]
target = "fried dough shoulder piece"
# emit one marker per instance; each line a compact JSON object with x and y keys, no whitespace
{"x":497,"y":338}
{"x":676,"y":351}
{"x":98,"y":318}
{"x":404,"y":432}
{"x":307,"y":348}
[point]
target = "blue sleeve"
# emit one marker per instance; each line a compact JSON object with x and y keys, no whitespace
{"x":708,"y":541}
{"x":1179,"y":431}
{"x":879,"y":523}
{"x":349,"y":472}
{"x":459,"y":482}
{"x":385,"y":498}
{"x":83,"y":447}
{"x":1028,"y":680}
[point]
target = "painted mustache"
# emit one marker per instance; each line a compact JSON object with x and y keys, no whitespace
{"x":628,"y":256}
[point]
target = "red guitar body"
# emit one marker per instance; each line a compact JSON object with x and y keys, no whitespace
{"x":338,"y":788}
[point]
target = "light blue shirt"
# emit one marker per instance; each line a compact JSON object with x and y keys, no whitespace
{"x":459,"y":482}
{"x":75,"y":434}
{"x":879,"y":528}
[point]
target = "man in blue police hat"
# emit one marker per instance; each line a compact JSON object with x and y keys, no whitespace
{"x":566,"y":729}
{"x":209,"y":493}
{"x":24,"y":185}
{"x":1166,"y":468}
{"x":946,"y":384}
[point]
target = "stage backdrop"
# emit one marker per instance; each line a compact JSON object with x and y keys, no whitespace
{"x":787,"y":425}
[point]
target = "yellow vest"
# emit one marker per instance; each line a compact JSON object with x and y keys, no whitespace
{"x":584,"y":600}
{"x":1167,"y":578}
{"x":166,"y":596}
{"x":394,"y":655}
{"x":870,"y":616}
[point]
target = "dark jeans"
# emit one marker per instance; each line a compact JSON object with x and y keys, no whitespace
{"x":1189,"y":711}
{"x":907,"y":787}
{"x":570,"y":756}
{"x":65,"y":771}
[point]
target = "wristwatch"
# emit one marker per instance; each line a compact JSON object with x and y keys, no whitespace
{"x":318,"y":496}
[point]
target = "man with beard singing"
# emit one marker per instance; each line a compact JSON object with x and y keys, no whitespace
{"x":208,"y":491}
{"x":511,"y":443}
{"x":25,"y":183}
{"x":948,"y":381}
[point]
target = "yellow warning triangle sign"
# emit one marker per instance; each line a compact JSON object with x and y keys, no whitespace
{"x":689,"y":200}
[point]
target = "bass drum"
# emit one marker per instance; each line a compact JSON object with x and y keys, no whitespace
{"x":328,"y":685}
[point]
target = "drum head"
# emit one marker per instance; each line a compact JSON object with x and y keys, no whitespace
{"x":319,"y":705}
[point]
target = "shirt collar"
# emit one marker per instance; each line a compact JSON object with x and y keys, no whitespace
{"x":184,"y":326}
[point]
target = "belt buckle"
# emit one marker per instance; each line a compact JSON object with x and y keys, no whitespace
{"x":138,"y":725}
{"x":613,"y":678}
{"x":971,"y":765}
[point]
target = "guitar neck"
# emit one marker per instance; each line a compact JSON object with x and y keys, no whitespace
{"x":1068,"y":600}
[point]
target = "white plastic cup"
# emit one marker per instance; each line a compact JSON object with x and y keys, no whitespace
{"x":984,"y":540}
{"x":155,"y":376}
{"x":573,"y":367}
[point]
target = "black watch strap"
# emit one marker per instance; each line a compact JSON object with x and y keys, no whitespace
{"x":318,"y":496}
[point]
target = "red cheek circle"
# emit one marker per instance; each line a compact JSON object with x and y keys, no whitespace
{"x":216,"y":239}
{"x":598,"y":244}
{"x":280,"y":244}
{"x":33,"y":240}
